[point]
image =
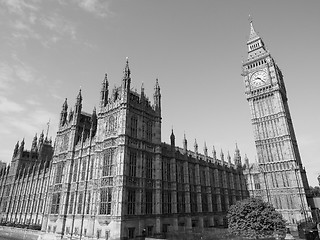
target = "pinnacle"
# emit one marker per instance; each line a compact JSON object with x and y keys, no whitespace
{"x":253,"y":35}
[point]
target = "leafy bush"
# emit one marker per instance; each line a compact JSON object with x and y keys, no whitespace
{"x":253,"y":218}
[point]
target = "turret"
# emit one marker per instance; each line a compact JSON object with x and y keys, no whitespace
{"x":185,"y":144}
{"x":222,"y":156}
{"x":214,"y":155}
{"x":34,"y":147}
{"x":196,"y":147}
{"x":21,"y":148}
{"x":64,"y":112}
{"x":172,"y":140}
{"x":104,"y":91}
{"x":205,"y":151}
{"x":237,"y":157}
{"x":78,"y":105}
{"x":40,"y":140}
{"x":157,"y":97}
{"x":93,"y":127}
{"x":246,"y":160}
{"x":229,"y":159}
{"x":16,"y":149}
{"x":126,"y":77}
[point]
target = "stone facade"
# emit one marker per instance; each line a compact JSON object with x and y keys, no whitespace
{"x":111,"y":177}
{"x":279,"y":176}
{"x":24,"y":184}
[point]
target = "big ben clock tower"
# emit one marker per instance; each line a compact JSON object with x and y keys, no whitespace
{"x":282,"y":177}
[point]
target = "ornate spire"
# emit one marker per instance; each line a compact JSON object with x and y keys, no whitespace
{"x":253,"y":35}
{"x":237,"y":156}
{"x":157,"y":96}
{"x":229,"y":159}
{"x":172,"y":138}
{"x":222,"y":156}
{"x":34,"y":144}
{"x":78,"y":105}
{"x":205,"y":149}
{"x":104,"y":91}
{"x":214,"y":154}
{"x":16,"y":148}
{"x":185,"y":144}
{"x":126,"y":70}
{"x":21,"y":146}
{"x":195,"y":146}
{"x":246,"y":160}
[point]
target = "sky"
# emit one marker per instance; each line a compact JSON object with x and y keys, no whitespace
{"x":52,"y":48}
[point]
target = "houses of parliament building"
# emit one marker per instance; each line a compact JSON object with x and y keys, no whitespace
{"x":109,"y":175}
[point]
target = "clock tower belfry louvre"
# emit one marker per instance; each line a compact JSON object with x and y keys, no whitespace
{"x":279,"y":176}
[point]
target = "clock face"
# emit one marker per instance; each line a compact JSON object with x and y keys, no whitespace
{"x":258,"y":79}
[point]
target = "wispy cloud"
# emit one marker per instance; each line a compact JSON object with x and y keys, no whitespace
{"x":20,"y":6}
{"x":58,"y":25}
{"x":98,"y":7}
{"x":7,"y":106}
{"x":6,"y":76}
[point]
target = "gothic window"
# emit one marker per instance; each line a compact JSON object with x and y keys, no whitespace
{"x":84,"y":166}
{"x":166,"y":202}
{"x":75,"y":170}
{"x":166,"y":170}
{"x":134,"y":126}
{"x":105,"y":201}
{"x":111,"y":123}
{"x":80,"y":202}
{"x":193,"y":202}
{"x":215,"y":203}
{"x":132,"y":164}
{"x":55,"y":203}
{"x":204,"y":199}
{"x":192,"y":174}
{"x":181,"y":202}
{"x":179,"y":171}
{"x":88,"y":202}
{"x":131,"y":201}
{"x":91,"y":167}
{"x":149,"y":166}
{"x":256,"y":181}
{"x":59,"y":172}
{"x":149,"y":131}
{"x":71,"y":202}
{"x":223,"y":203}
{"x":202,"y":176}
{"x":131,"y":232}
{"x":107,"y":162}
{"x":149,"y":202}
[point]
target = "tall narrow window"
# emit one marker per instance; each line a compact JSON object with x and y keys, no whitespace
{"x":71,"y":202}
{"x":75,"y":170}
{"x":131,"y":201}
{"x":134,"y":126}
{"x":105,"y":201}
{"x":149,"y":202}
{"x":132,"y":164}
{"x":107,"y":162}
{"x":84,"y":168}
{"x":149,"y":166}
{"x":181,"y":202}
{"x":91,"y":167}
{"x":55,"y":203}
{"x":88,"y":202}
{"x":80,"y":202}
{"x":166,"y":202}
{"x":59,"y":172}
{"x":149,"y":131}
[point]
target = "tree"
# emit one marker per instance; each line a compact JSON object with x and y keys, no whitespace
{"x":315,"y":191}
{"x":254,"y":218}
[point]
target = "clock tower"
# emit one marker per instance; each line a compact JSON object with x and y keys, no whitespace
{"x":282,"y":177}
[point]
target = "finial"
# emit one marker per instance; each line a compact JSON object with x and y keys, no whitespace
{"x":250,"y":18}
{"x":48,"y":126}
